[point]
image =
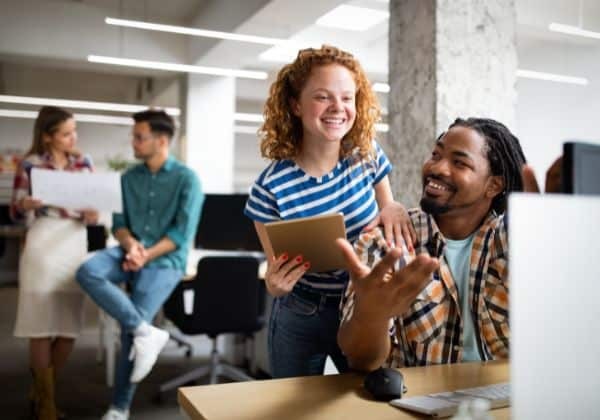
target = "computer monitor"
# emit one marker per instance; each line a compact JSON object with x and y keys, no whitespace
{"x":224,"y":226}
{"x":581,"y":168}
{"x":554,"y":311}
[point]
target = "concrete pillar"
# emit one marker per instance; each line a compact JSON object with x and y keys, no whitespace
{"x":207,"y":129}
{"x":448,"y":59}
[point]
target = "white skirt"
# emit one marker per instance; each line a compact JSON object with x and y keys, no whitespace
{"x":50,"y":301}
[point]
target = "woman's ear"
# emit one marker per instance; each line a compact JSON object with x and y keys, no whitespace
{"x":295,"y":107}
{"x":495,"y":186}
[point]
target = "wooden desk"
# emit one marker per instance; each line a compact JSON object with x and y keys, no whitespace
{"x":331,"y":397}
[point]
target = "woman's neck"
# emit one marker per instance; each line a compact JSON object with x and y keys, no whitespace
{"x":318,"y":161}
{"x":60,"y":159}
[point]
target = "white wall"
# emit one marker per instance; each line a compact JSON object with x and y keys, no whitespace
{"x":100,"y":141}
{"x":548,"y":113}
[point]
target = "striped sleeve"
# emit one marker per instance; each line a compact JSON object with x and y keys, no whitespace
{"x":262,"y":205}
{"x":383,"y":164}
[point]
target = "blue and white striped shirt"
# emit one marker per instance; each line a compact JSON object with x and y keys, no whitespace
{"x":283,"y":191}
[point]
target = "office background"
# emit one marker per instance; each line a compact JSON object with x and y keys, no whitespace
{"x":45,"y":47}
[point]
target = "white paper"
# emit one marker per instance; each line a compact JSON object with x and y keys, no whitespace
{"x":77,"y":190}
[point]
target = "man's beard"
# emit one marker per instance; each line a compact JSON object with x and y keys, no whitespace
{"x":430,"y":206}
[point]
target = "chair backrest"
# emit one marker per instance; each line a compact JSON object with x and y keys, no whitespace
{"x":228,"y":297}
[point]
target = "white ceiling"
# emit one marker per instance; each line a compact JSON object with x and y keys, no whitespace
{"x":289,"y":19}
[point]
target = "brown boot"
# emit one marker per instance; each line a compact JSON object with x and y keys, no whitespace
{"x":45,"y":408}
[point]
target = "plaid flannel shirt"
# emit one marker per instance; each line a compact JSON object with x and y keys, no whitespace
{"x":430,"y":332}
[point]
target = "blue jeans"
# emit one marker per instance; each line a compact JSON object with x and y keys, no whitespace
{"x":302,"y":334}
{"x":150,"y":287}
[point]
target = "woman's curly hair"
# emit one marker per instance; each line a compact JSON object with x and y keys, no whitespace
{"x":281,"y":133}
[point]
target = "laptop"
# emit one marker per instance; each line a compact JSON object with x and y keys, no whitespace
{"x":554,"y":306}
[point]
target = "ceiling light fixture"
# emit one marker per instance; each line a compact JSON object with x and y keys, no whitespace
{"x":230,"y":36}
{"x":573,"y":30}
{"x":381,"y":87}
{"x":184,"y":68}
{"x":88,"y":118}
{"x":352,"y":18}
{"x":246,"y":129}
{"x":69,"y":103}
{"x":248,"y":117}
{"x":552,"y":77}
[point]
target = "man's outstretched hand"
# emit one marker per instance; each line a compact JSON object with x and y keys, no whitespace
{"x":380,"y":292}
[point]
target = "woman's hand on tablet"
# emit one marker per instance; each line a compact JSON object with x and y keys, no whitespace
{"x":283,"y":273}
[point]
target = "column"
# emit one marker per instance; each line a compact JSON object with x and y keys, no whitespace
{"x":447,"y":59}
{"x":207,"y":129}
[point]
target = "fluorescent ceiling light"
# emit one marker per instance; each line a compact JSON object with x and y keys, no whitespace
{"x":185,"y":68}
{"x":248,"y":117}
{"x":382,"y":128}
{"x":89,"y":118}
{"x":230,"y":36}
{"x":246,"y":129}
{"x":352,"y":18}
{"x":530,"y":74}
{"x":573,"y":30}
{"x":68,"y":103}
{"x":381,"y":87}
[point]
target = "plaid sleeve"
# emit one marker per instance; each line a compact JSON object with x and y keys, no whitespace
{"x":21,"y":189}
{"x":370,"y":247}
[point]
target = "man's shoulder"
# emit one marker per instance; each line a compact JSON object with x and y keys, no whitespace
{"x":418,"y":217}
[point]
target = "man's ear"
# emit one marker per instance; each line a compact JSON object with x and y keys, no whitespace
{"x":495,"y":185}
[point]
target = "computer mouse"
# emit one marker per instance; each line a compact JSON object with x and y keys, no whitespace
{"x":385,"y":384}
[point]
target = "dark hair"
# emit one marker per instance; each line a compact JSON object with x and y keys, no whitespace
{"x":47,"y":122}
{"x":160,"y":122}
{"x":503,"y":152}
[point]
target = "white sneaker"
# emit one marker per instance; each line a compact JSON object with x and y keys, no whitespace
{"x":145,"y":350}
{"x":115,"y":414}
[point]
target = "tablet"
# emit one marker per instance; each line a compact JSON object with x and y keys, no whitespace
{"x":312,"y":237}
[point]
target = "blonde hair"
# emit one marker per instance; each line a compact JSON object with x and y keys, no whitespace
{"x":281,"y":133}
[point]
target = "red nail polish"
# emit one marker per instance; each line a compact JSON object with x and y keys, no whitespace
{"x":299,"y":258}
{"x":284,"y":256}
{"x":307,"y":265}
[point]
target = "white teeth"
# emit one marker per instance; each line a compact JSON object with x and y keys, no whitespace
{"x":333,"y":120}
{"x":437,"y":186}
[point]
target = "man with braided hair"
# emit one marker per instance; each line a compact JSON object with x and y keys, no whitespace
{"x":462,"y":313}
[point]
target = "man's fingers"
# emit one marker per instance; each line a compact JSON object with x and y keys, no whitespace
{"x":529,"y":182}
{"x":386,"y":264}
{"x":356,"y":268}
{"x":418,"y":271}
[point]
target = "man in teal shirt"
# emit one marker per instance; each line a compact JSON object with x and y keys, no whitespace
{"x":162,"y":199}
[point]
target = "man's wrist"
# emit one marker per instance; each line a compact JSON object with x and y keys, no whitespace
{"x":370,"y":314}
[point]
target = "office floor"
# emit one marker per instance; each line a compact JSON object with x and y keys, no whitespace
{"x":82,"y":392}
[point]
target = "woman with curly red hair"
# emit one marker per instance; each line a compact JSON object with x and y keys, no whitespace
{"x":319,"y":132}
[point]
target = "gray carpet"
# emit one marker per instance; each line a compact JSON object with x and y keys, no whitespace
{"x":81,"y":392}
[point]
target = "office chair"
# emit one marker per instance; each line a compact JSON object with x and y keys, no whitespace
{"x":227,"y":297}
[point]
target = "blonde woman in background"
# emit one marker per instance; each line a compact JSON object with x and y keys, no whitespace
{"x":49,"y":311}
